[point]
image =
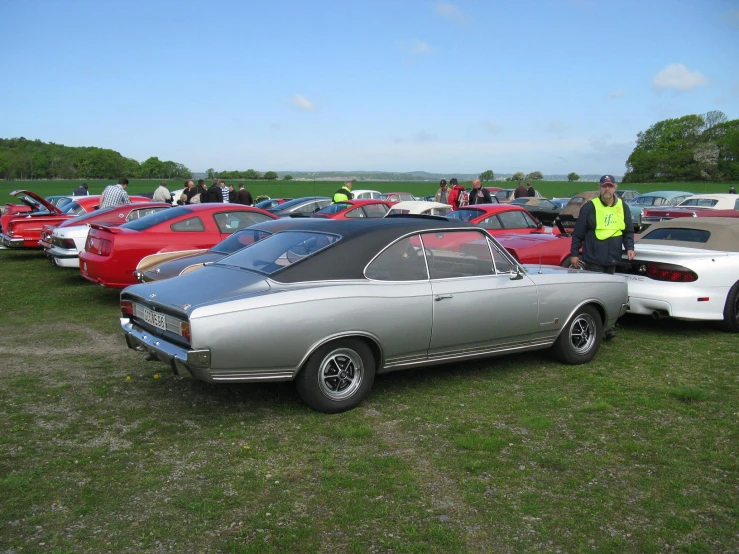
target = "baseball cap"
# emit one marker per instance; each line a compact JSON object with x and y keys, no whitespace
{"x":607,"y":179}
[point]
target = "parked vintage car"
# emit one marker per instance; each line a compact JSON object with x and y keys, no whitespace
{"x":365,"y":194}
{"x":335,"y":304}
{"x":687,"y":268}
{"x":656,"y":199}
{"x":270,"y":203}
{"x":542,"y":209}
{"x":498,"y":218}
{"x":420,"y":207}
{"x":24,"y":230}
{"x":112,"y":253}
{"x":397,"y":196}
{"x":306,"y":206}
{"x":627,"y":195}
{"x":350,"y":209}
{"x":64,"y":242}
{"x":506,"y":195}
{"x":568,"y":216}
{"x":158,"y":267}
{"x":538,"y":248}
{"x":710,"y":205}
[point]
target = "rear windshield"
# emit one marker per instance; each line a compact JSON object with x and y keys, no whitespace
{"x":72,"y":208}
{"x":700,"y":202}
{"x":279,"y":251}
{"x":157,"y":218}
{"x":94,"y":214}
{"x":679,"y":235}
{"x":465,"y":215}
{"x":240,"y":240}
{"x":292,"y":203}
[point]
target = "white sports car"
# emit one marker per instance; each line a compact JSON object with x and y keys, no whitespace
{"x":687,"y":268}
{"x":419,"y":207}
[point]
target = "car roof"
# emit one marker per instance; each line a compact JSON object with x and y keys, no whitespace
{"x":296,"y":202}
{"x":360,"y":241}
{"x":667,"y":193}
{"x":493,"y":208}
{"x":717,"y":196}
{"x":724,"y":232}
{"x":421,"y":204}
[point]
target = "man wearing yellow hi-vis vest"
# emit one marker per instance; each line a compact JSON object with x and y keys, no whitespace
{"x":603,"y":230}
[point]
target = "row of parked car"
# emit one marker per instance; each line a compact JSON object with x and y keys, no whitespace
{"x":233,"y":293}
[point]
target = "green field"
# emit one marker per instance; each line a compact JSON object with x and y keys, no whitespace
{"x":295,"y":189}
{"x":101,"y":451}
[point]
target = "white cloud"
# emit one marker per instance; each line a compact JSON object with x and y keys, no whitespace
{"x":557,"y":127}
{"x":618,"y":93}
{"x":678,"y":77}
{"x":450,"y":11}
{"x":732,"y":18}
{"x":420,"y":47}
{"x":491,"y":126}
{"x":424,"y":136}
{"x":302,"y":103}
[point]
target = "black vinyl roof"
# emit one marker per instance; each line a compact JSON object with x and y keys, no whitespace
{"x":360,"y":241}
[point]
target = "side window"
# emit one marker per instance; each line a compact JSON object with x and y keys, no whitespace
{"x":230,"y":222}
{"x":457,"y":254}
{"x":189,"y":225}
{"x":491,"y":222}
{"x":529,"y":220}
{"x":376,"y":210}
{"x":402,"y":261}
{"x":502,"y":265}
{"x":658,"y":201}
{"x":513,"y":220}
{"x":736,"y":204}
{"x":356,"y":212}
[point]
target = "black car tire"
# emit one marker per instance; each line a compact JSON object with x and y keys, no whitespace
{"x":580,"y":339}
{"x":731,"y":310}
{"x":337,"y":376}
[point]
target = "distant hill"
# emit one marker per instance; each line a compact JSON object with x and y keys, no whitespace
{"x":410,"y":176}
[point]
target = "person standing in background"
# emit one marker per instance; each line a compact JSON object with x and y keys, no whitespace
{"x":162,"y":194}
{"x":442,"y":195}
{"x":81,"y":190}
{"x":115,"y":195}
{"x":244,"y":196}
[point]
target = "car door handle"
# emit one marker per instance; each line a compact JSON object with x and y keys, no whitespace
{"x":443,"y":297}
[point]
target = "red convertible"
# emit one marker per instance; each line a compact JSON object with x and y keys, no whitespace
{"x":23,"y":230}
{"x":112,"y":253}
{"x":352,"y":209}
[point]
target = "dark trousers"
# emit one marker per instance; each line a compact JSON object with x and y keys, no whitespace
{"x":610,"y":269}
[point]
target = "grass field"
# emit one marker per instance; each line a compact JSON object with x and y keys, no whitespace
{"x":295,"y":189}
{"x":101,"y":451}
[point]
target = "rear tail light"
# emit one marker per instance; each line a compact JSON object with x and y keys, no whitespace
{"x":127,"y":307}
{"x":64,"y":243}
{"x":98,"y":246}
{"x":185,"y":330}
{"x":671,"y":273}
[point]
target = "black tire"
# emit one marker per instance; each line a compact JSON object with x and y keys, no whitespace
{"x":731,"y":310}
{"x":580,"y":339}
{"x":337,"y":377}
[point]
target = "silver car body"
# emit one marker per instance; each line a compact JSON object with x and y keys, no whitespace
{"x":225,"y":323}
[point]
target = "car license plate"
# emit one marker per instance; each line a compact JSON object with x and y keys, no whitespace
{"x":155,"y":319}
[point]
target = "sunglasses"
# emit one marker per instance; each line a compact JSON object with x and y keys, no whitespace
{"x":608,"y":185}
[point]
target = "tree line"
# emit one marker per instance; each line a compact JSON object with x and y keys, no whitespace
{"x":688,"y":148}
{"x":21,"y":159}
{"x":248,"y":175}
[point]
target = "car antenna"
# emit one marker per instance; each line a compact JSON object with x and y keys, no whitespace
{"x":540,"y":262}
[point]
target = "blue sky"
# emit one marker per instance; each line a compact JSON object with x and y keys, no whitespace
{"x":402,"y":85}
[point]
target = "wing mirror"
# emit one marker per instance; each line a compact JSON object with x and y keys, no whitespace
{"x":517,"y":275}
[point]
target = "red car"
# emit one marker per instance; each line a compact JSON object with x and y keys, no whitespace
{"x":498,"y":218}
{"x":113,"y":216}
{"x":23,"y":230}
{"x":538,"y":248}
{"x":112,"y":253}
{"x":352,"y":209}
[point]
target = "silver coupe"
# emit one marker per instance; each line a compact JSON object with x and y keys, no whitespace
{"x":334,"y":303}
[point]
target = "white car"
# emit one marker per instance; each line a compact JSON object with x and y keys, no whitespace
{"x":419,"y":207}
{"x":67,"y":240}
{"x":366,"y":194}
{"x":687,"y":268}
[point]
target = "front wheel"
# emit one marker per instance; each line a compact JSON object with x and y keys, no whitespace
{"x":580,"y":339}
{"x":731,"y":310}
{"x":337,"y":377}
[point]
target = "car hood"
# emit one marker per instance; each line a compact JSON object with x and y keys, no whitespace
{"x":210,"y":285}
{"x":45,"y":203}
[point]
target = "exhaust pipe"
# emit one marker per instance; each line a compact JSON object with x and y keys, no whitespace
{"x":656,"y":314}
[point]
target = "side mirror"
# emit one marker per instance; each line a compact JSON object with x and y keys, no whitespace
{"x":517,"y":275}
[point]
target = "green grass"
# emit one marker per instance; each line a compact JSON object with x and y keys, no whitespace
{"x":295,"y":189}
{"x":101,"y":451}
